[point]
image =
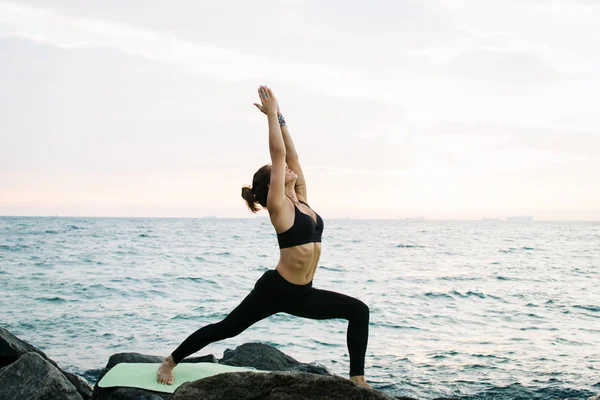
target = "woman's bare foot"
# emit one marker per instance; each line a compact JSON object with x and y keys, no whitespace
{"x":360,"y":380}
{"x":165,"y":371}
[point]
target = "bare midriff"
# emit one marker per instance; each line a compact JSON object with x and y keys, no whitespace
{"x":298,"y":264}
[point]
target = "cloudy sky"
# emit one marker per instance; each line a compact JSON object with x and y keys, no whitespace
{"x":449,"y":109}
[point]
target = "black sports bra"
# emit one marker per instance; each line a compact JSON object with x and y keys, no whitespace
{"x":303,"y":231}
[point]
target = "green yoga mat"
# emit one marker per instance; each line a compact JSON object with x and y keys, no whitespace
{"x":143,"y":375}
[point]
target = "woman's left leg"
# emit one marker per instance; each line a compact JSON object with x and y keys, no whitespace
{"x":324,"y":304}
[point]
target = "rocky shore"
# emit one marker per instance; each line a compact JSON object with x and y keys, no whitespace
{"x":27,"y":373}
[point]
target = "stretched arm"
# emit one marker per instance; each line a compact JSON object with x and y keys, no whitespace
{"x":291,"y":156}
{"x":276,"y":195}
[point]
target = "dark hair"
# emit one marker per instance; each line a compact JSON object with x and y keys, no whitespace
{"x":259,"y":190}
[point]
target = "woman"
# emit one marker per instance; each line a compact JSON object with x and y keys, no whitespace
{"x":287,"y":288}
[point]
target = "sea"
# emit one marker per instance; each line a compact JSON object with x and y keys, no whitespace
{"x":468,"y":309}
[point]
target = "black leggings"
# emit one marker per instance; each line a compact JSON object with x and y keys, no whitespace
{"x":273,"y":294}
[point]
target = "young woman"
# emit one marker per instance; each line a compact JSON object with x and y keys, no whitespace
{"x":281,"y":190}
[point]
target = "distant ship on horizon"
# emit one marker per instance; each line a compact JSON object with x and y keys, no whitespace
{"x":522,"y":218}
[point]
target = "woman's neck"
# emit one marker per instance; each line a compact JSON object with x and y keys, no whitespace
{"x":290,"y":192}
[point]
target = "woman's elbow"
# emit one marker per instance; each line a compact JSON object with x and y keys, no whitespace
{"x":277,"y":151}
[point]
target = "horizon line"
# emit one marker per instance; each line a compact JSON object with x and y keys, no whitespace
{"x":406,"y":219}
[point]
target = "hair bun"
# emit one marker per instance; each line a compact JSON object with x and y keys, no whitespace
{"x":248,"y":193}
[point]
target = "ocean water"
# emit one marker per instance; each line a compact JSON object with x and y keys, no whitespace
{"x":473,"y":309}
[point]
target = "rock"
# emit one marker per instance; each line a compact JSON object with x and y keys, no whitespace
{"x":144,"y":358}
{"x":129,"y":394}
{"x":92,"y":375}
{"x":437,"y":398}
{"x":274,"y":386}
{"x":33,"y":377}
{"x":257,"y":355}
{"x":267,"y":358}
{"x":12,"y":348}
{"x":131,"y":358}
{"x":595,"y":398}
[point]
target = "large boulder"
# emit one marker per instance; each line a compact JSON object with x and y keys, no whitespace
{"x":12,"y":348}
{"x":267,"y":358}
{"x":274,"y":386}
{"x":32,"y":377}
{"x":144,"y":358}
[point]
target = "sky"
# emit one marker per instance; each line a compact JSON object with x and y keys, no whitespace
{"x":447,"y":109}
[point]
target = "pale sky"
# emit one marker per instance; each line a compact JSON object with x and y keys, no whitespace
{"x":448,"y":109}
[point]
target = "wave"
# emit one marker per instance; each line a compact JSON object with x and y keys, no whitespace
{"x":337,"y":268}
{"x":454,"y":294}
{"x":17,"y":247}
{"x":97,"y":286}
{"x":52,"y":299}
{"x":324,"y":344}
{"x":514,"y":249}
{"x":504,"y":359}
{"x":185,"y":317}
{"x":588,"y":308}
{"x":196,"y":279}
{"x":518,"y":391}
{"x":224,"y":253}
{"x":491,"y":296}
{"x":469,"y":294}
{"x":458,"y":278}
{"x":397,"y":326}
{"x":443,"y":356}
{"x":537,"y":328}
{"x":438,"y":295}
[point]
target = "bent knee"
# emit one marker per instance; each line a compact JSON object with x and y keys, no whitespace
{"x":362,"y":310}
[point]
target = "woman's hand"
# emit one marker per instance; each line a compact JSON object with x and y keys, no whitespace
{"x":268,"y":100}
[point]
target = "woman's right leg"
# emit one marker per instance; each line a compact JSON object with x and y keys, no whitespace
{"x":252,"y":309}
{"x":255,"y":307}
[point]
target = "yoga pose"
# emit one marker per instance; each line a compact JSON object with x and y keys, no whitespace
{"x":281,"y":189}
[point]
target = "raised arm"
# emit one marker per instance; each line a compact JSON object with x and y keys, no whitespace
{"x":291,"y":156}
{"x":276,"y":196}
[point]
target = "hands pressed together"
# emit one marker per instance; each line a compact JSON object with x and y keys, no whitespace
{"x":268,"y":100}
